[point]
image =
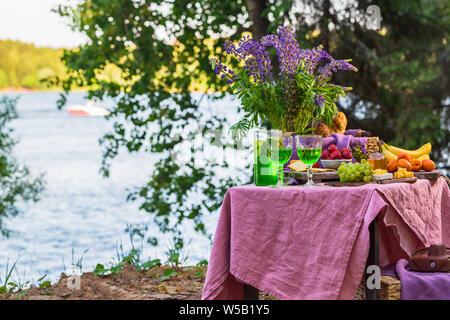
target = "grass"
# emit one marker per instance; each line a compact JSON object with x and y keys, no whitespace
{"x":8,"y":286}
{"x":175,"y":257}
{"x":78,"y":263}
{"x":11,"y":286}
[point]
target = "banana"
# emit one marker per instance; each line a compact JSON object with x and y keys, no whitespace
{"x":425,"y":156}
{"x":414,"y":154}
{"x":388,"y":156}
{"x":426,"y":148}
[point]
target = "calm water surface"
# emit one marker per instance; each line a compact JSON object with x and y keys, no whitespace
{"x":79,"y":210}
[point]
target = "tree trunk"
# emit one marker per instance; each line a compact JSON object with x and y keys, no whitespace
{"x":260,"y":23}
{"x":324,"y":32}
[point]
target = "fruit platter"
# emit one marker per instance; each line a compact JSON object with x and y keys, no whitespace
{"x":354,"y":158}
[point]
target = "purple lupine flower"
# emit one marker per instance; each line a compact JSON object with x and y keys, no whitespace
{"x":288,"y":50}
{"x":291,"y":54}
{"x":256,"y":58}
{"x":314,"y":57}
{"x":289,"y":57}
{"x":333,"y":66}
{"x":319,"y":100}
{"x":224,"y":71}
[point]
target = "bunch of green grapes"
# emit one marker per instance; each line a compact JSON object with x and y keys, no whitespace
{"x":355,"y":172}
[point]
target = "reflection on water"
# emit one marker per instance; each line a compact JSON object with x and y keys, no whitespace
{"x":79,"y":209}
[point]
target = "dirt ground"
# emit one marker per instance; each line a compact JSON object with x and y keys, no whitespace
{"x":186,"y":283}
{"x":129,"y":285}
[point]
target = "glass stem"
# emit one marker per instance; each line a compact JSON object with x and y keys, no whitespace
{"x":281,"y":173}
{"x":310,"y":174}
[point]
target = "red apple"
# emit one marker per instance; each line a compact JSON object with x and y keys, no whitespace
{"x":346,"y":155}
{"x":325,"y":155}
{"x":335,"y":155}
{"x":344,"y":149}
{"x":316,"y":165}
{"x":332,"y":148}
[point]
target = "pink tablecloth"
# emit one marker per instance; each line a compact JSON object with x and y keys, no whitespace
{"x":300,"y":243}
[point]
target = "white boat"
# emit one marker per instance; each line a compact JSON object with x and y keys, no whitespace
{"x":90,"y":109}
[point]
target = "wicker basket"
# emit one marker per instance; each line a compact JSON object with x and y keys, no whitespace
{"x":390,"y":289}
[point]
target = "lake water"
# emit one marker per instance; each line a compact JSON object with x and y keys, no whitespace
{"x":79,"y":209}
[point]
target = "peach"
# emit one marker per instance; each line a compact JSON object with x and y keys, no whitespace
{"x":403,"y":156}
{"x":403,"y":163}
{"x":392,"y":166}
{"x":416,"y":165}
{"x":428,"y":165}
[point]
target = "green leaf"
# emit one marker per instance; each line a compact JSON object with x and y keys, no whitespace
{"x":42,"y":278}
{"x":198,"y":274}
{"x":151,"y":264}
{"x":22,"y":294}
{"x":167,"y":274}
{"x":239,"y":129}
{"x":45,"y":284}
{"x":204,"y":262}
{"x":100,"y":269}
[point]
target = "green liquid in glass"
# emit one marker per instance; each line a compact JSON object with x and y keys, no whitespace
{"x":309,"y":156}
{"x":265,"y":175}
{"x":265,"y":169}
{"x":283,"y":156}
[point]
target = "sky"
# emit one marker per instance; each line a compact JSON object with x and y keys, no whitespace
{"x":32,"y":21}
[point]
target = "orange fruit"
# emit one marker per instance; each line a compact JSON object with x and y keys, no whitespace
{"x":404,"y":156}
{"x":416,"y":165}
{"x":428,"y":165}
{"x":403,"y":163}
{"x":392,"y":166}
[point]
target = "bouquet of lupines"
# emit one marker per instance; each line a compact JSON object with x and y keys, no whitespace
{"x":291,"y":97}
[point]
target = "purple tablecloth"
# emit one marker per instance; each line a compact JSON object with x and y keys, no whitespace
{"x":419,"y":285}
{"x":312,"y":243}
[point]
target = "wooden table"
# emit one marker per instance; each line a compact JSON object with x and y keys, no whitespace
{"x":332,"y":176}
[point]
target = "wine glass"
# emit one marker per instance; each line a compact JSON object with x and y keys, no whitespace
{"x":309,"y":149}
{"x":280,"y":151}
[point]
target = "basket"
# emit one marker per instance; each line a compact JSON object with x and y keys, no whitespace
{"x":390,"y":289}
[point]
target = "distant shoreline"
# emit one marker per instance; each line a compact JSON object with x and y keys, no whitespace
{"x":25,"y":89}
{"x":20,"y":89}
